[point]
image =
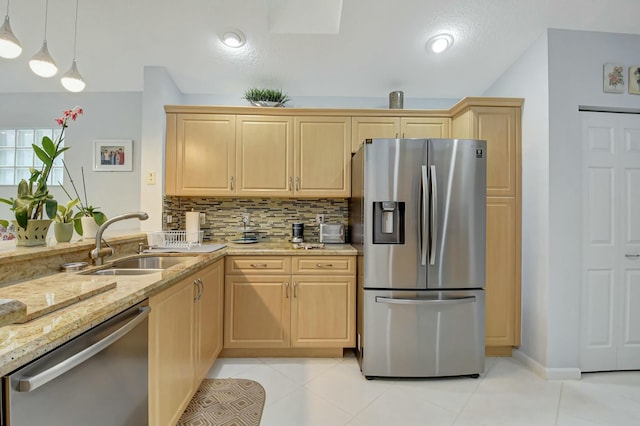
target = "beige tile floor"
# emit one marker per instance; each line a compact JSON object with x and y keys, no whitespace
{"x":331,"y":392}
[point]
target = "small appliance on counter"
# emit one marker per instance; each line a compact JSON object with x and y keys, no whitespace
{"x":249,"y":234}
{"x":332,"y":233}
{"x":297,"y":233}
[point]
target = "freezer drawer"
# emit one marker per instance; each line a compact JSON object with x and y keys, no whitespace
{"x":422,"y":333}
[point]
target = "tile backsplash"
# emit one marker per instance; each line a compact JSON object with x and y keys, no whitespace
{"x":272,"y":218}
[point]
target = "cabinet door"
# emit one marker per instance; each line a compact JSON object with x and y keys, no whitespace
{"x":256,"y":311}
{"x":204,"y":155}
{"x":500,"y":127}
{"x":264,"y":156}
{"x":322,"y":156}
{"x":209,"y":311}
{"x":171,"y":337}
{"x":323,"y":311}
{"x":501,"y":300}
{"x":425,"y":127}
{"x":373,"y":127}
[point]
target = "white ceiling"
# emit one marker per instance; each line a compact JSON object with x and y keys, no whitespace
{"x":378,"y":46}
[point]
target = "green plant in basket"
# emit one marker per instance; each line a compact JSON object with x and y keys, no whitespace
{"x":266,"y":97}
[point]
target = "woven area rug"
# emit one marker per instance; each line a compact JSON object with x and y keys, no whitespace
{"x":225,"y":402}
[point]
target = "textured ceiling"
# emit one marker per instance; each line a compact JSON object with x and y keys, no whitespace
{"x":378,"y":45}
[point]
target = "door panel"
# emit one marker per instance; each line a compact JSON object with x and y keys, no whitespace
{"x":610,"y":336}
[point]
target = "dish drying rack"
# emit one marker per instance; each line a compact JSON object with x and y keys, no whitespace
{"x":175,"y":239}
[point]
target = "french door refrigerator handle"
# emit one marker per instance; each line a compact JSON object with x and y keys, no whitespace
{"x":451,"y":301}
{"x":32,"y":383}
{"x":434,"y":216}
{"x":424,"y":226}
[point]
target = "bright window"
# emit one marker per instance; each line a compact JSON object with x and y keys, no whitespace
{"x":17,"y":155}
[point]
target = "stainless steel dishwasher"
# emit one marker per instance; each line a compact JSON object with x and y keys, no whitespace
{"x":98,"y":378}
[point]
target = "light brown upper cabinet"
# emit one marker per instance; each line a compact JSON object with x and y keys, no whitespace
{"x":200,"y":154}
{"x":398,"y":127}
{"x":264,"y":155}
{"x":322,"y":152}
{"x":500,"y":127}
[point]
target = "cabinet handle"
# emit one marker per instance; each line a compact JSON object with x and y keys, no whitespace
{"x":286,"y":286}
{"x":632,"y":256}
{"x":258,"y":265}
{"x":295,"y":289}
{"x":197,"y":296}
{"x":201,"y":288}
{"x":290,"y":183}
{"x":297,"y":183}
{"x":232,"y":183}
{"x":397,"y":134}
{"x":324,"y":265}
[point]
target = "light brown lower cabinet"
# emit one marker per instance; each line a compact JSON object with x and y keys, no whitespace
{"x":289,"y":302}
{"x":185,"y":337}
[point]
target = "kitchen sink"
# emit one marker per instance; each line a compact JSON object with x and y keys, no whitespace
{"x":150,"y":262}
{"x":140,"y":265}
{"x":124,"y":271}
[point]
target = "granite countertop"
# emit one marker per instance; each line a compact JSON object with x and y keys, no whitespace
{"x":22,"y":343}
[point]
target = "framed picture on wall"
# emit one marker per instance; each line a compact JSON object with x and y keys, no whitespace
{"x":114,"y":155}
{"x":634,"y":79}
{"x":613,"y":79}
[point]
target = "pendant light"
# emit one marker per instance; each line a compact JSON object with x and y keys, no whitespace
{"x":72,"y":80}
{"x":42,"y":63}
{"x":9,"y":45}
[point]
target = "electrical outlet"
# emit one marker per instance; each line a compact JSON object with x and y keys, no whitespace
{"x":169,"y":218}
{"x":203,"y":218}
{"x":319,"y":218}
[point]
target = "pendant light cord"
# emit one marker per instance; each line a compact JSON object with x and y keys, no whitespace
{"x":7,"y":7}
{"x":75,"y":34}
{"x":46,"y":14}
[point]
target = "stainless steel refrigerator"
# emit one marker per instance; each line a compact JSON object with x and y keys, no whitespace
{"x":417,"y":218}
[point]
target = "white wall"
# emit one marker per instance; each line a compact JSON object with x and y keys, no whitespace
{"x":528,"y":78}
{"x":559,"y":72}
{"x":159,"y":90}
{"x":576,"y":61}
{"x":106,"y":116}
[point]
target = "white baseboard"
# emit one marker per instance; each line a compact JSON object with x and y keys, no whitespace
{"x":545,"y":372}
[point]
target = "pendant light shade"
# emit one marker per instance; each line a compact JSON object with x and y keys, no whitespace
{"x":9,"y":45}
{"x":42,"y":63}
{"x":72,"y":80}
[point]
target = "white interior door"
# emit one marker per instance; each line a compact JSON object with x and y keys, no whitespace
{"x":610,"y":313}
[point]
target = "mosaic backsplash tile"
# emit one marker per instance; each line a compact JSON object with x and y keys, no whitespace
{"x":272,"y":218}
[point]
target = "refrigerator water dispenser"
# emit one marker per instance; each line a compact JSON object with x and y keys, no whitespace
{"x":388,"y":222}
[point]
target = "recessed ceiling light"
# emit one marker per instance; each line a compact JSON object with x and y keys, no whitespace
{"x":439,"y":43}
{"x":233,"y":38}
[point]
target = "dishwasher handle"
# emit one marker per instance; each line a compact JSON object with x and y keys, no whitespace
{"x":32,"y":383}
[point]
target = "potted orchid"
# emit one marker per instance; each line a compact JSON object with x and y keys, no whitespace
{"x":33,"y":199}
{"x":88,"y":218}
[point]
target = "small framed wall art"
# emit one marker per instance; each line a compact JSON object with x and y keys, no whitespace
{"x":634,"y":79}
{"x":113,"y":155}
{"x":613,"y":79}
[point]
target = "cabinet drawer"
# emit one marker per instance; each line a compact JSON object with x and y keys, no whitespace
{"x":258,"y":265}
{"x":324,"y":264}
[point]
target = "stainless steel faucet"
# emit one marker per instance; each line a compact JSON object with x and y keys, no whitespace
{"x":98,"y":254}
